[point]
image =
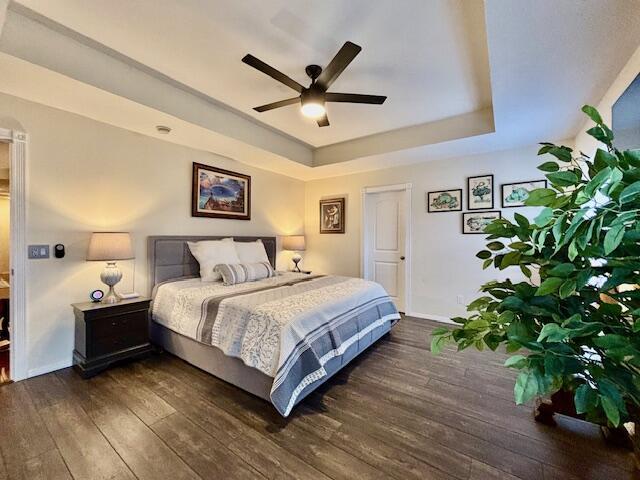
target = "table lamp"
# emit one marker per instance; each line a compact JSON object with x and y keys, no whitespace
{"x":109,"y":247}
{"x":294,"y":243}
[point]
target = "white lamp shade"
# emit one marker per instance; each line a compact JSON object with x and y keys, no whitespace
{"x":107,"y":246}
{"x":294,"y":243}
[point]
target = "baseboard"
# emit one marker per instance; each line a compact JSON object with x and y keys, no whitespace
{"x":430,"y":316}
{"x":52,"y":367}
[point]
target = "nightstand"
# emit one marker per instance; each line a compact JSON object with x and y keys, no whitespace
{"x":108,"y":333}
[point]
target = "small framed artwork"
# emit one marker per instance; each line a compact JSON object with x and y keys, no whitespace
{"x":480,"y":192}
{"x":332,"y":215}
{"x":444,"y":201}
{"x":220,"y":193}
{"x":474,"y":222}
{"x":514,"y":194}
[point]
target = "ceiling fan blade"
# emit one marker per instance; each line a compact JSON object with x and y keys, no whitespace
{"x":281,"y":103}
{"x":272,"y":72}
{"x":343,"y":58}
{"x":323,"y":121}
{"x":355,"y":98}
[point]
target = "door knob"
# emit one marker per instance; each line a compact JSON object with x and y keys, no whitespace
{"x":402,"y":257}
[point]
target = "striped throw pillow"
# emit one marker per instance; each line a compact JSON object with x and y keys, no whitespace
{"x":233,"y":273}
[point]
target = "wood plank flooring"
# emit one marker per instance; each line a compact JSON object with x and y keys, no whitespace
{"x":396,"y":412}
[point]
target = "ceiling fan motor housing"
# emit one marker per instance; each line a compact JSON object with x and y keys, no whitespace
{"x":313,"y":94}
{"x":313,"y":71}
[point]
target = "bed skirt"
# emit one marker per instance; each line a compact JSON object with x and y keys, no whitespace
{"x":234,"y":371}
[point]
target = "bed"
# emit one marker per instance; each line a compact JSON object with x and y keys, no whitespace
{"x":279,"y":338}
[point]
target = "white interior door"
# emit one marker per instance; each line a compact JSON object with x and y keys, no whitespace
{"x":385,"y":240}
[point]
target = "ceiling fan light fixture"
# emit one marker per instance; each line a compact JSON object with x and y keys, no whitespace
{"x":313,"y":109}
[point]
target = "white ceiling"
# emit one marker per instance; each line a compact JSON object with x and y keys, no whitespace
{"x":428,"y":57}
{"x":544,"y":59}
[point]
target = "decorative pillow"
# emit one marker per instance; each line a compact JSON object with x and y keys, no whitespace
{"x":244,"y":272}
{"x":251,"y":252}
{"x":210,"y":253}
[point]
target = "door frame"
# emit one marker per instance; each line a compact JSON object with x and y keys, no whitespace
{"x":18,"y":250}
{"x":366,"y":192}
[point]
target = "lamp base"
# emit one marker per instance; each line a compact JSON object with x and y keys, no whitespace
{"x":110,"y":276}
{"x":296,"y":260}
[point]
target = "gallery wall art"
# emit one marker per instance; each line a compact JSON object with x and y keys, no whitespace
{"x":475,"y":222}
{"x":220,"y":193}
{"x":444,"y":201}
{"x":480,"y":192}
{"x":332,"y":215}
{"x":515,"y":194}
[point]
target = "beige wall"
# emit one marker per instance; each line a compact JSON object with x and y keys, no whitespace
{"x":84,"y":176}
{"x":444,"y":263}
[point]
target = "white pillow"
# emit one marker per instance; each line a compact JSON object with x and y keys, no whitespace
{"x":210,"y":253}
{"x":251,"y":252}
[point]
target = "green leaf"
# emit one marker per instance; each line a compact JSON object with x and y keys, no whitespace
{"x":599,"y":134}
{"x":611,"y":341}
{"x":483,"y":254}
{"x":592,"y":113}
{"x":487,"y":263}
{"x":540,"y":197}
{"x":630,"y":193}
{"x":572,"y":252}
{"x":610,"y":410}
{"x":585,"y":398}
{"x":561,"y":153}
{"x":511,"y":258}
{"x":567,"y":288}
{"x":544,"y":217}
{"x":604,"y":157}
{"x":521,"y":220}
{"x":564,"y":178}
{"x":495,"y":246}
{"x":549,"y":167}
{"x":525,"y":270}
{"x":613,"y":238}
{"x":550,"y":285}
{"x":516,"y":361}
{"x":526,"y":387}
{"x":552,"y":332}
{"x":437,"y":344}
{"x":596,"y":182}
{"x":562,"y":270}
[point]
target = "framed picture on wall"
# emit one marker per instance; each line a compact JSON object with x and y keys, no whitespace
{"x":514,"y":194}
{"x":332,"y":215}
{"x":480,"y":192}
{"x":219,"y":193}
{"x":444,"y":201}
{"x":474,"y":222}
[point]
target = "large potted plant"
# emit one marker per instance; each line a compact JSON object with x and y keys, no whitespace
{"x":573,"y":324}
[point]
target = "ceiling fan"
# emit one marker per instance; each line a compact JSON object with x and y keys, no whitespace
{"x":313,"y":98}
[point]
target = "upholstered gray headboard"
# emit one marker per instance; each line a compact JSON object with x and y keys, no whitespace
{"x":170,"y":257}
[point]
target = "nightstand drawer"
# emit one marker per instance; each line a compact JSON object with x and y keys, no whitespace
{"x":112,"y":344}
{"x":120,"y":325}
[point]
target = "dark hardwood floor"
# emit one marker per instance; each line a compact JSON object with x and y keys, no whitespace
{"x":396,"y":412}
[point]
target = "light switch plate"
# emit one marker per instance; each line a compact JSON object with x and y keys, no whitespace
{"x":38,"y":251}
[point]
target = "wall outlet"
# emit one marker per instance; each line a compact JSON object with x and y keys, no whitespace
{"x":460,"y":299}
{"x":38,"y":251}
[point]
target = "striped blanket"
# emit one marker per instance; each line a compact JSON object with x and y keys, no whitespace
{"x":288,"y":326}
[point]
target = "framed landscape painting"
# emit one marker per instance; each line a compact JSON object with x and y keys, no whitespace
{"x":444,"y":201}
{"x":332,"y":215}
{"x":474,"y":222}
{"x":514,"y":194}
{"x":480,"y":192}
{"x":220,"y":193}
